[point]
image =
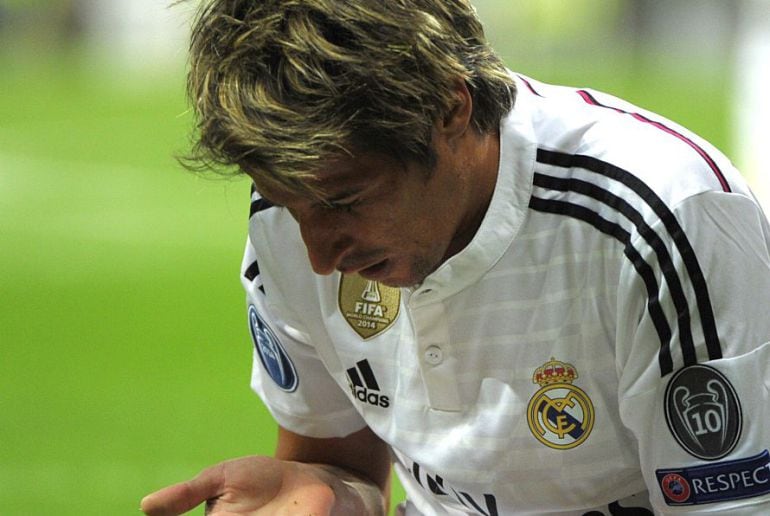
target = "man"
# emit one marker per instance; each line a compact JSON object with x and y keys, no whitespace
{"x":531,"y":299}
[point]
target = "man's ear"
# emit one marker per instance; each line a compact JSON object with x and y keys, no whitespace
{"x":457,"y":120}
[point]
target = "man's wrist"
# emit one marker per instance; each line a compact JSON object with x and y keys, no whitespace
{"x":355,"y":493}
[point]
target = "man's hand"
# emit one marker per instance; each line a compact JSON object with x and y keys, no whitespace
{"x":257,"y":486}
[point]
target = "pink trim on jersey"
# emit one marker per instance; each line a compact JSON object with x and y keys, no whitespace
{"x":711,"y":163}
{"x":528,"y":85}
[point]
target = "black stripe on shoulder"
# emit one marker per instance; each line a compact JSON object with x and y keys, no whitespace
{"x":258,"y":205}
{"x":650,"y":236}
{"x":669,"y":221}
{"x":642,"y":267}
{"x":252,"y":271}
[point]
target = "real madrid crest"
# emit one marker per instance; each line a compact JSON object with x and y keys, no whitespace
{"x":369,"y":307}
{"x":560,"y":415}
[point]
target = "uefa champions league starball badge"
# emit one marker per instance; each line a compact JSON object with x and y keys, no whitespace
{"x":271,"y":353}
{"x":560,"y":415}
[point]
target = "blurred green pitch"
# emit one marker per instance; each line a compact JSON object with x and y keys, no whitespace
{"x":124,"y":352}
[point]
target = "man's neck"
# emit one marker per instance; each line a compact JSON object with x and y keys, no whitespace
{"x":482,"y":164}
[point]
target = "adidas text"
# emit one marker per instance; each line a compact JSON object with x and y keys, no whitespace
{"x":372,"y":398}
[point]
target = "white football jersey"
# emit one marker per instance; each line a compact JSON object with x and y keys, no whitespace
{"x":602,"y":346}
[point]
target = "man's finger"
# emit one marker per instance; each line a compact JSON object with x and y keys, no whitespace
{"x":185,"y":496}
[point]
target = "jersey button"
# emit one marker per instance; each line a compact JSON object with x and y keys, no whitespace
{"x":434,"y":355}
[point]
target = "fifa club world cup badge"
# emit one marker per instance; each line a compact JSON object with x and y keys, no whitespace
{"x":369,"y":307}
{"x":560,"y":415}
{"x":703,"y":412}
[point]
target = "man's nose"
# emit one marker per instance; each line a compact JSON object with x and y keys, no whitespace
{"x":325,"y":241}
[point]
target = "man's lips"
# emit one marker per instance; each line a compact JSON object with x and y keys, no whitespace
{"x":368,"y":271}
{"x":375,"y":271}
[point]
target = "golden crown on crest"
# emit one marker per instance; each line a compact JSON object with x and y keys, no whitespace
{"x":554,"y":371}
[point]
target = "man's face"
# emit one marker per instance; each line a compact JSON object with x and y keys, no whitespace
{"x":388,"y":222}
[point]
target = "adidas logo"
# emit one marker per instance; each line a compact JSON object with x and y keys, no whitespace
{"x":364,"y":385}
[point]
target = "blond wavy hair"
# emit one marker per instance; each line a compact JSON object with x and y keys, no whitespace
{"x":279,"y":86}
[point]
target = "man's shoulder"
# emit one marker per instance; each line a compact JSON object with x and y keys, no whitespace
{"x":275,"y":243}
{"x":607,"y":141}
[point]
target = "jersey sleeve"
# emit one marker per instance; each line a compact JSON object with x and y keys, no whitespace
{"x":287,"y":372}
{"x":693,"y":355}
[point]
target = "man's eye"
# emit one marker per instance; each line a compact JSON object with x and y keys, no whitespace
{"x":342,"y":205}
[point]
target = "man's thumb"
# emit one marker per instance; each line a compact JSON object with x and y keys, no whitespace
{"x":185,"y":496}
